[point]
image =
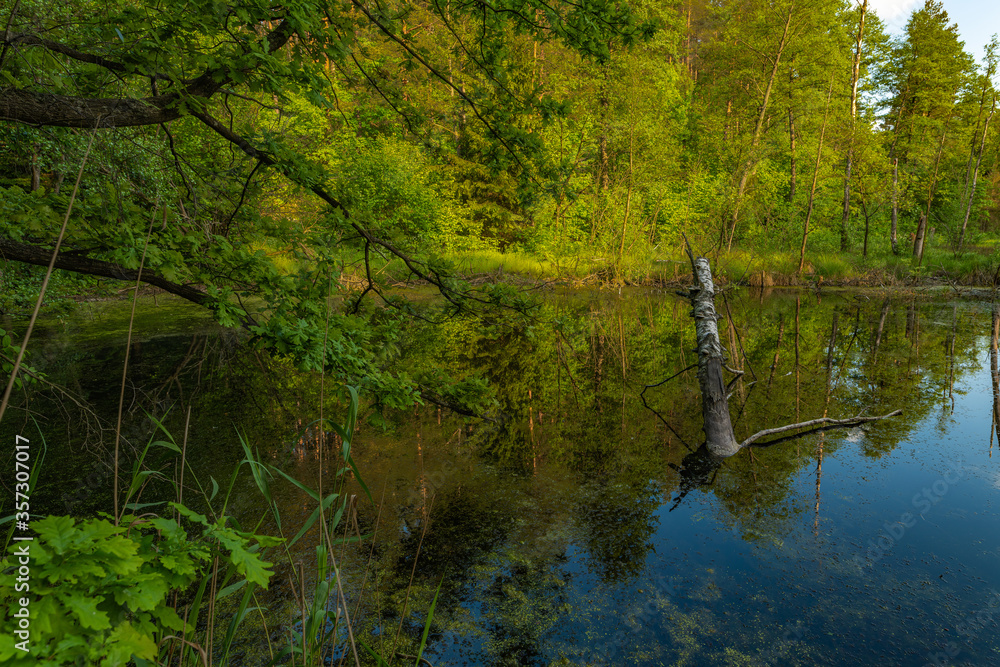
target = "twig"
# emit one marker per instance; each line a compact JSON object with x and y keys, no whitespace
{"x":422,"y":659}
{"x":128,"y":349}
{"x":45,"y":284}
{"x":655,"y":412}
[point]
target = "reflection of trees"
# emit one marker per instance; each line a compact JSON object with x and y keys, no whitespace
{"x":852,"y":355}
{"x":995,"y":377}
{"x":568,"y":407}
{"x":617,"y":522}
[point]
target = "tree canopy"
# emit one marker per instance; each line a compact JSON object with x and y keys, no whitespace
{"x":258,"y":157}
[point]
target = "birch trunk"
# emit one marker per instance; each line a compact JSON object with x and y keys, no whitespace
{"x":719,"y":436}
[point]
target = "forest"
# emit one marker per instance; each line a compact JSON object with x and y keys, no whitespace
{"x":459,"y":224}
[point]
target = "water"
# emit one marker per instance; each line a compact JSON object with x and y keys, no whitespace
{"x":582,"y":528}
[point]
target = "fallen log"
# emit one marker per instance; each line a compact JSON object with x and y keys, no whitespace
{"x":720,"y":440}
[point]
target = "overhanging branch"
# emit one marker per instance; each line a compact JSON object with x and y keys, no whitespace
{"x":31,"y":254}
{"x":35,"y":108}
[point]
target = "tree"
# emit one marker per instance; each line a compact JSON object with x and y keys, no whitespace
{"x":986,"y":90}
{"x":928,"y":69}
{"x":185,"y":102}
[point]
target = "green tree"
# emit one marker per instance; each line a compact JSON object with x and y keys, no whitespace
{"x":182,"y":102}
{"x":928,"y":70}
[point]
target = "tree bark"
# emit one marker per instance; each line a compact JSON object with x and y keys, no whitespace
{"x":975,"y":176}
{"x":845,"y":217}
{"x":30,"y":254}
{"x":918,"y":241}
{"x":893,"y":239}
{"x":791,"y":147}
{"x":720,"y":439}
{"x":852,"y":421}
{"x":812,"y":190}
{"x":930,"y":197}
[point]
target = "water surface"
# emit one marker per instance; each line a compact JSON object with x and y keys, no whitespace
{"x":579,"y":526}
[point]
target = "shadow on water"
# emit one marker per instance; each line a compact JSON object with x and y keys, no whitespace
{"x":578,"y":528}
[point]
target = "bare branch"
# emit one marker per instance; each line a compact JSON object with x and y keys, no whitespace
{"x":853,"y":421}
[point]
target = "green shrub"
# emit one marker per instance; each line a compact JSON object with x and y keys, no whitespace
{"x":99,"y":593}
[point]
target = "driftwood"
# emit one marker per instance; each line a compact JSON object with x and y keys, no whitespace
{"x":720,"y":440}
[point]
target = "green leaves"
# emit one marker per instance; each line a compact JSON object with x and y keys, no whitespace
{"x":100,"y":592}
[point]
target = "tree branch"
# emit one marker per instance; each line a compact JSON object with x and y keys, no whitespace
{"x":31,"y":254}
{"x":853,"y":421}
{"x":34,"y":108}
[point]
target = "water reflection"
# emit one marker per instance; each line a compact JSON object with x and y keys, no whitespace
{"x":580,"y":526}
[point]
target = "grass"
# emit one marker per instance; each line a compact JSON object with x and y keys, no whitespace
{"x":765,"y":268}
{"x":979,"y":265}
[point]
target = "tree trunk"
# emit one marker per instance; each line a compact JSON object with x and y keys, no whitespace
{"x":812,"y":190}
{"x":855,"y":76}
{"x":720,"y":439}
{"x":893,"y":239}
{"x":748,"y":167}
{"x":604,"y":104}
{"x":845,"y":217}
{"x":975,"y":177}
{"x":930,"y":196}
{"x":36,"y":169}
{"x":791,"y":146}
{"x":918,"y":241}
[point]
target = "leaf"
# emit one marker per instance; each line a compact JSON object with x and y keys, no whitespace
{"x":312,"y":494}
{"x":191,"y":514}
{"x":167,"y":445}
{"x":139,"y":506}
{"x":56,"y":531}
{"x":145,"y":592}
{"x":247,"y":563}
{"x":125,"y":642}
{"x":312,"y":518}
{"x":168,"y":618}
{"x":86,"y":610}
{"x":427,"y":625}
{"x":230,"y":589}
{"x":379,"y":661}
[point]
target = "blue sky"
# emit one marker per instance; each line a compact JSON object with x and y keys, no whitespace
{"x":977,"y":19}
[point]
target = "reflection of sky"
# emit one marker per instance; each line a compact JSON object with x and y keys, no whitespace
{"x":977,"y":19}
{"x":807,"y":589}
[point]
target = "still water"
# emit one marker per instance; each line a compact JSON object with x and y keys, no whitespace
{"x":578,"y":526}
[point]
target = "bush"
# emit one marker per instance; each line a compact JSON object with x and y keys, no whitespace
{"x":99,"y":592}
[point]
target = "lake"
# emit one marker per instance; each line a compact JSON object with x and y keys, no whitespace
{"x":577,"y":525}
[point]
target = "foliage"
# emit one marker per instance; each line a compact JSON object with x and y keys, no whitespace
{"x":100,"y":592}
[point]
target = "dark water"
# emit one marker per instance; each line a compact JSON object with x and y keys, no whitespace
{"x":580,"y":527}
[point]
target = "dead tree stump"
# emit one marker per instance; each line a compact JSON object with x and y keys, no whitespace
{"x":719,"y":435}
{"x":720,"y":440}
